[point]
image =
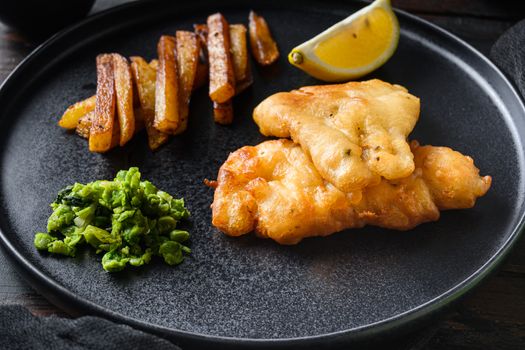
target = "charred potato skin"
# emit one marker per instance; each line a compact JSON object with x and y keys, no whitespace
{"x":124,"y":90}
{"x":222,"y":79}
{"x":101,"y":132}
{"x":188,"y":49}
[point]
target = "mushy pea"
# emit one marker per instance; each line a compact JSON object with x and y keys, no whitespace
{"x":126,"y":219}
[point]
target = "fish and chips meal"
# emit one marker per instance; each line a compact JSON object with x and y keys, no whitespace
{"x":342,"y":158}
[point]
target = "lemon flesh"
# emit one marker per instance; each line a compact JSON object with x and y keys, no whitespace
{"x":361,"y":42}
{"x":351,"y":48}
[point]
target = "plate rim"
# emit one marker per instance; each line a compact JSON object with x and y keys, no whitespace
{"x":61,"y":296}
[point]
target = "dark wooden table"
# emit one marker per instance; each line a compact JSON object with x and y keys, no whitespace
{"x":491,"y":317}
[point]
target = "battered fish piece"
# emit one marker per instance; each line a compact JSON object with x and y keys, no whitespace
{"x":275,"y":190}
{"x":355,"y":133}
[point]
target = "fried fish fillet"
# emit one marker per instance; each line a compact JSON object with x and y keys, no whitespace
{"x":355,"y":133}
{"x":275,"y":190}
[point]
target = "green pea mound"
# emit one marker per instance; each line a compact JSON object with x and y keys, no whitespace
{"x":128,"y":220}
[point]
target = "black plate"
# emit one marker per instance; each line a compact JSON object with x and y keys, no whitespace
{"x":350,"y":286}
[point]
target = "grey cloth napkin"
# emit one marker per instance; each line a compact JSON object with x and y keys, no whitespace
{"x":508,"y":53}
{"x":19,"y":329}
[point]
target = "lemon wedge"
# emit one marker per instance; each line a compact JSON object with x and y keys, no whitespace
{"x":349,"y":49}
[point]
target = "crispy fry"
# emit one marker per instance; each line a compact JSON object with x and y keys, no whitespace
{"x":223,"y":112}
{"x":167,"y":117}
{"x":84,"y":124}
{"x":222,"y":79}
{"x":264,"y":48}
{"x":144,"y":77}
{"x":241,"y":64}
{"x":101,"y":131}
{"x":188,"y":49}
{"x":124,"y":90}
{"x":239,"y":51}
{"x":74,"y":112}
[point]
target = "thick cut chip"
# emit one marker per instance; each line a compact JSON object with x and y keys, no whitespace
{"x":241,"y":63}
{"x":72,"y":115}
{"x":222,"y":78}
{"x":264,"y":48}
{"x":124,"y":90}
{"x":239,"y":51}
{"x":144,"y":78}
{"x":188,"y":49}
{"x":167,"y":118}
{"x":275,"y":190}
{"x":101,"y":133}
{"x":355,"y":133}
